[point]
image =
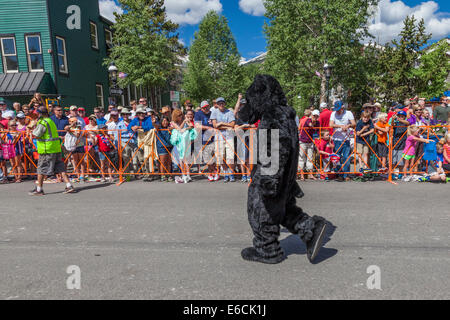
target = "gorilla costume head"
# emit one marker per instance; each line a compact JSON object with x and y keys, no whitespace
{"x":264,"y":94}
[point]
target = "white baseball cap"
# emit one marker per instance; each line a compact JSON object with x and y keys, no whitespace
{"x":323,"y":105}
{"x":316,"y":113}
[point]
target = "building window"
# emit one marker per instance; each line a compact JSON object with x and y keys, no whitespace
{"x":94,"y":36}
{"x":108,"y":39}
{"x":62,"y":55}
{"x":34,"y":53}
{"x":99,"y":89}
{"x":9,"y":54}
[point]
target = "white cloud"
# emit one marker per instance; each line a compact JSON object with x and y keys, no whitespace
{"x":190,"y":11}
{"x":388,"y":21}
{"x":253,"y":7}
{"x":108,"y":7}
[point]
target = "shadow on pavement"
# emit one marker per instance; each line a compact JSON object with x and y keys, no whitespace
{"x":84,"y":188}
{"x":293,"y":245}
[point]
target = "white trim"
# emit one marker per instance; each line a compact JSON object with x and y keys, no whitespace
{"x":102,"y":96}
{"x":34,"y":53}
{"x":96,"y":34}
{"x":4,"y":55}
{"x":110,"y":42}
{"x":66,"y":71}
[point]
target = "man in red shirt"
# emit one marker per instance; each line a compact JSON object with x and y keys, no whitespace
{"x":324,"y":118}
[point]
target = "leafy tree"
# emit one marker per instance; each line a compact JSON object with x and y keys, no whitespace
{"x":433,"y":71}
{"x":146,"y":46}
{"x":304,"y":34}
{"x":213,"y":68}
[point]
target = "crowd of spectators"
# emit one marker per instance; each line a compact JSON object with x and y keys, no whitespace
{"x":334,"y":144}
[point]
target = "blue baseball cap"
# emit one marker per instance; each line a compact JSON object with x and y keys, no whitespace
{"x":401,"y":113}
{"x":338,"y":105}
{"x":220,"y":100}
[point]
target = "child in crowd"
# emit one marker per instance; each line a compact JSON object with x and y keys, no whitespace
{"x":325,"y":148}
{"x":400,"y":124}
{"x":74,"y":142}
{"x":306,"y":155}
{"x":381,"y":130}
{"x":105,"y":152}
{"x":446,"y":152}
{"x":410,"y":149}
{"x":364,"y":128}
{"x":16,"y":144}
{"x":164,"y":148}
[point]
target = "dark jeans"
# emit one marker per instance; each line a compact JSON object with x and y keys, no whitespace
{"x":344,"y":153}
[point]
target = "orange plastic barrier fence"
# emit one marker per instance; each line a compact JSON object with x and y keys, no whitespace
{"x":137,"y":155}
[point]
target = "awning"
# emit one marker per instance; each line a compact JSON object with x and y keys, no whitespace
{"x":26,"y":84}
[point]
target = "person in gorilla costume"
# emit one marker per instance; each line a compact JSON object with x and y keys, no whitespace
{"x":272,"y":198}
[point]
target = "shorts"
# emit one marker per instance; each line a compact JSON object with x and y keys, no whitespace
{"x":362,"y":148}
{"x":208,"y":154}
{"x":407,"y":157}
{"x":79,"y":150}
{"x":50,"y":164}
{"x":382,"y":150}
{"x":397,"y":157}
{"x":106,"y":155}
{"x":225,"y":150}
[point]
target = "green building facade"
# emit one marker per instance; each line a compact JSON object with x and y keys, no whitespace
{"x":56,"y":47}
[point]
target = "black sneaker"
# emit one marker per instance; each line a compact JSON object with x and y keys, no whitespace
{"x":36,"y":193}
{"x":70,"y":189}
{"x":313,"y":246}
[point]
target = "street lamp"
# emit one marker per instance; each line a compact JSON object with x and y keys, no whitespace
{"x":327,"y":68}
{"x":113,"y":72}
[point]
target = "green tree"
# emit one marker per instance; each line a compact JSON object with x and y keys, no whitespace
{"x":433,"y":71}
{"x":146,"y":46}
{"x":398,"y":77}
{"x":213,"y":68}
{"x":304,"y":34}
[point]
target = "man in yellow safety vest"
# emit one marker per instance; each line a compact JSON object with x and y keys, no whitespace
{"x":49,"y":149}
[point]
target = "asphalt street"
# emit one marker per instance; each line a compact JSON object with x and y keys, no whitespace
{"x":165,"y":241}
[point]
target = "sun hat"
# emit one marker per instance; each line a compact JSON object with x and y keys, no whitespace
{"x":125,"y":111}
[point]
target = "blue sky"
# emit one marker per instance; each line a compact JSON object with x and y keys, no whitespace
{"x":246,"y":20}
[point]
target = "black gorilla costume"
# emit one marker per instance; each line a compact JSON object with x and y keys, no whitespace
{"x":272,"y":198}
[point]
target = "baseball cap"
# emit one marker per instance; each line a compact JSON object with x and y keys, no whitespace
{"x":114,"y":112}
{"x":72,"y":108}
{"x":101,"y":126}
{"x":220,"y":100}
{"x":42,"y":109}
{"x":399,"y":106}
{"x":316,"y":113}
{"x":149,"y":110}
{"x":367,"y":105}
{"x":81,"y":109}
{"x":323,"y":105}
{"x":338,"y":105}
{"x":204,"y":104}
{"x":20,"y":115}
{"x":401,"y":113}
{"x":2,"y":101}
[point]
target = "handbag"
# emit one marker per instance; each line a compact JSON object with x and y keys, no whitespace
{"x":9,"y":151}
